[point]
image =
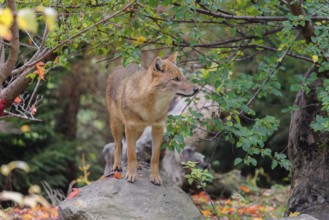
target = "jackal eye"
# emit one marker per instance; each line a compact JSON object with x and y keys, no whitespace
{"x":176,"y":79}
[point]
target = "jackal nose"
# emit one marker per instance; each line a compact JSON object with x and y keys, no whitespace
{"x":195,"y":90}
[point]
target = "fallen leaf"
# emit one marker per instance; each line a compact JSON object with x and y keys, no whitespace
{"x":74,"y":193}
{"x":245,"y":189}
{"x":118,"y":175}
{"x":252,"y":209}
{"x":228,"y":202}
{"x":227,"y":210}
{"x":206,"y":213}
{"x":294,"y":214}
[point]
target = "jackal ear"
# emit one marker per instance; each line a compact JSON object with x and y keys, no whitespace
{"x":172,"y":58}
{"x":158,"y":65}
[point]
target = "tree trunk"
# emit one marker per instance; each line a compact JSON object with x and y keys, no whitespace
{"x":69,"y":94}
{"x":309,"y":155}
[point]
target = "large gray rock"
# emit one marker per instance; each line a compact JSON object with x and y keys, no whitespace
{"x":117,"y":199}
{"x":300,"y":217}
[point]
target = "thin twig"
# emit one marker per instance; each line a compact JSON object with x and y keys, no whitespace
{"x":32,"y":96}
{"x":31,"y":37}
{"x":211,"y":202}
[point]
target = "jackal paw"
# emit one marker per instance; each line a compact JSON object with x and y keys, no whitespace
{"x":131,"y":177}
{"x":116,"y":169}
{"x":155,"y":179}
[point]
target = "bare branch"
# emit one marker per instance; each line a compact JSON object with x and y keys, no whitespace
{"x":13,"y":115}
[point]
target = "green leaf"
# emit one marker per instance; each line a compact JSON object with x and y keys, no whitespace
{"x":274,"y":164}
{"x":154,"y":3}
{"x":267,"y":152}
{"x":237,"y":161}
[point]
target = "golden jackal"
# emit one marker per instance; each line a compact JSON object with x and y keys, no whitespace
{"x":138,"y":97}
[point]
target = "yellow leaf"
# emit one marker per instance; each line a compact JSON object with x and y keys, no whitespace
{"x":39,"y":8}
{"x":25,"y":128}
{"x":139,"y":40}
{"x":4,"y":170}
{"x":34,"y":189}
{"x":294,"y":214}
{"x":229,"y":118}
{"x":50,"y":17}
{"x":19,"y":165}
{"x":6,"y":17}
{"x":5,"y":32}
{"x":279,"y":60}
{"x":315,"y":58}
{"x":27,"y":21}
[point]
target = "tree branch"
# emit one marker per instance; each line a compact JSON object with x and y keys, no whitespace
{"x":252,"y":18}
{"x":6,"y":68}
{"x":296,"y":9}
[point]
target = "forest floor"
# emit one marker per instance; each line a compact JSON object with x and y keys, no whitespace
{"x":250,"y":203}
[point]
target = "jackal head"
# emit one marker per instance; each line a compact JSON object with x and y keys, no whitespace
{"x":168,"y":78}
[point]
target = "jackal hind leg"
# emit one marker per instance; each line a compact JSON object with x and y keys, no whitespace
{"x":117,"y":133}
{"x":157,"y":135}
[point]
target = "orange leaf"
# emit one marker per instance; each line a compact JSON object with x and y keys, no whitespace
{"x":206,"y":213}
{"x":245,"y":189}
{"x":17,"y":100}
{"x":30,"y":41}
{"x":41,"y":70}
{"x":74,"y":193}
{"x":117,"y":175}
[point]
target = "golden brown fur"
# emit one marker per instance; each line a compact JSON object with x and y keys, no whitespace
{"x":138,"y":97}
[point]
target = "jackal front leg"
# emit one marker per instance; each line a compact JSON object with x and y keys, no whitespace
{"x":117,"y":133}
{"x":157,"y":134}
{"x":131,"y":136}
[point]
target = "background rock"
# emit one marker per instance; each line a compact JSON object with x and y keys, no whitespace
{"x":111,"y":198}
